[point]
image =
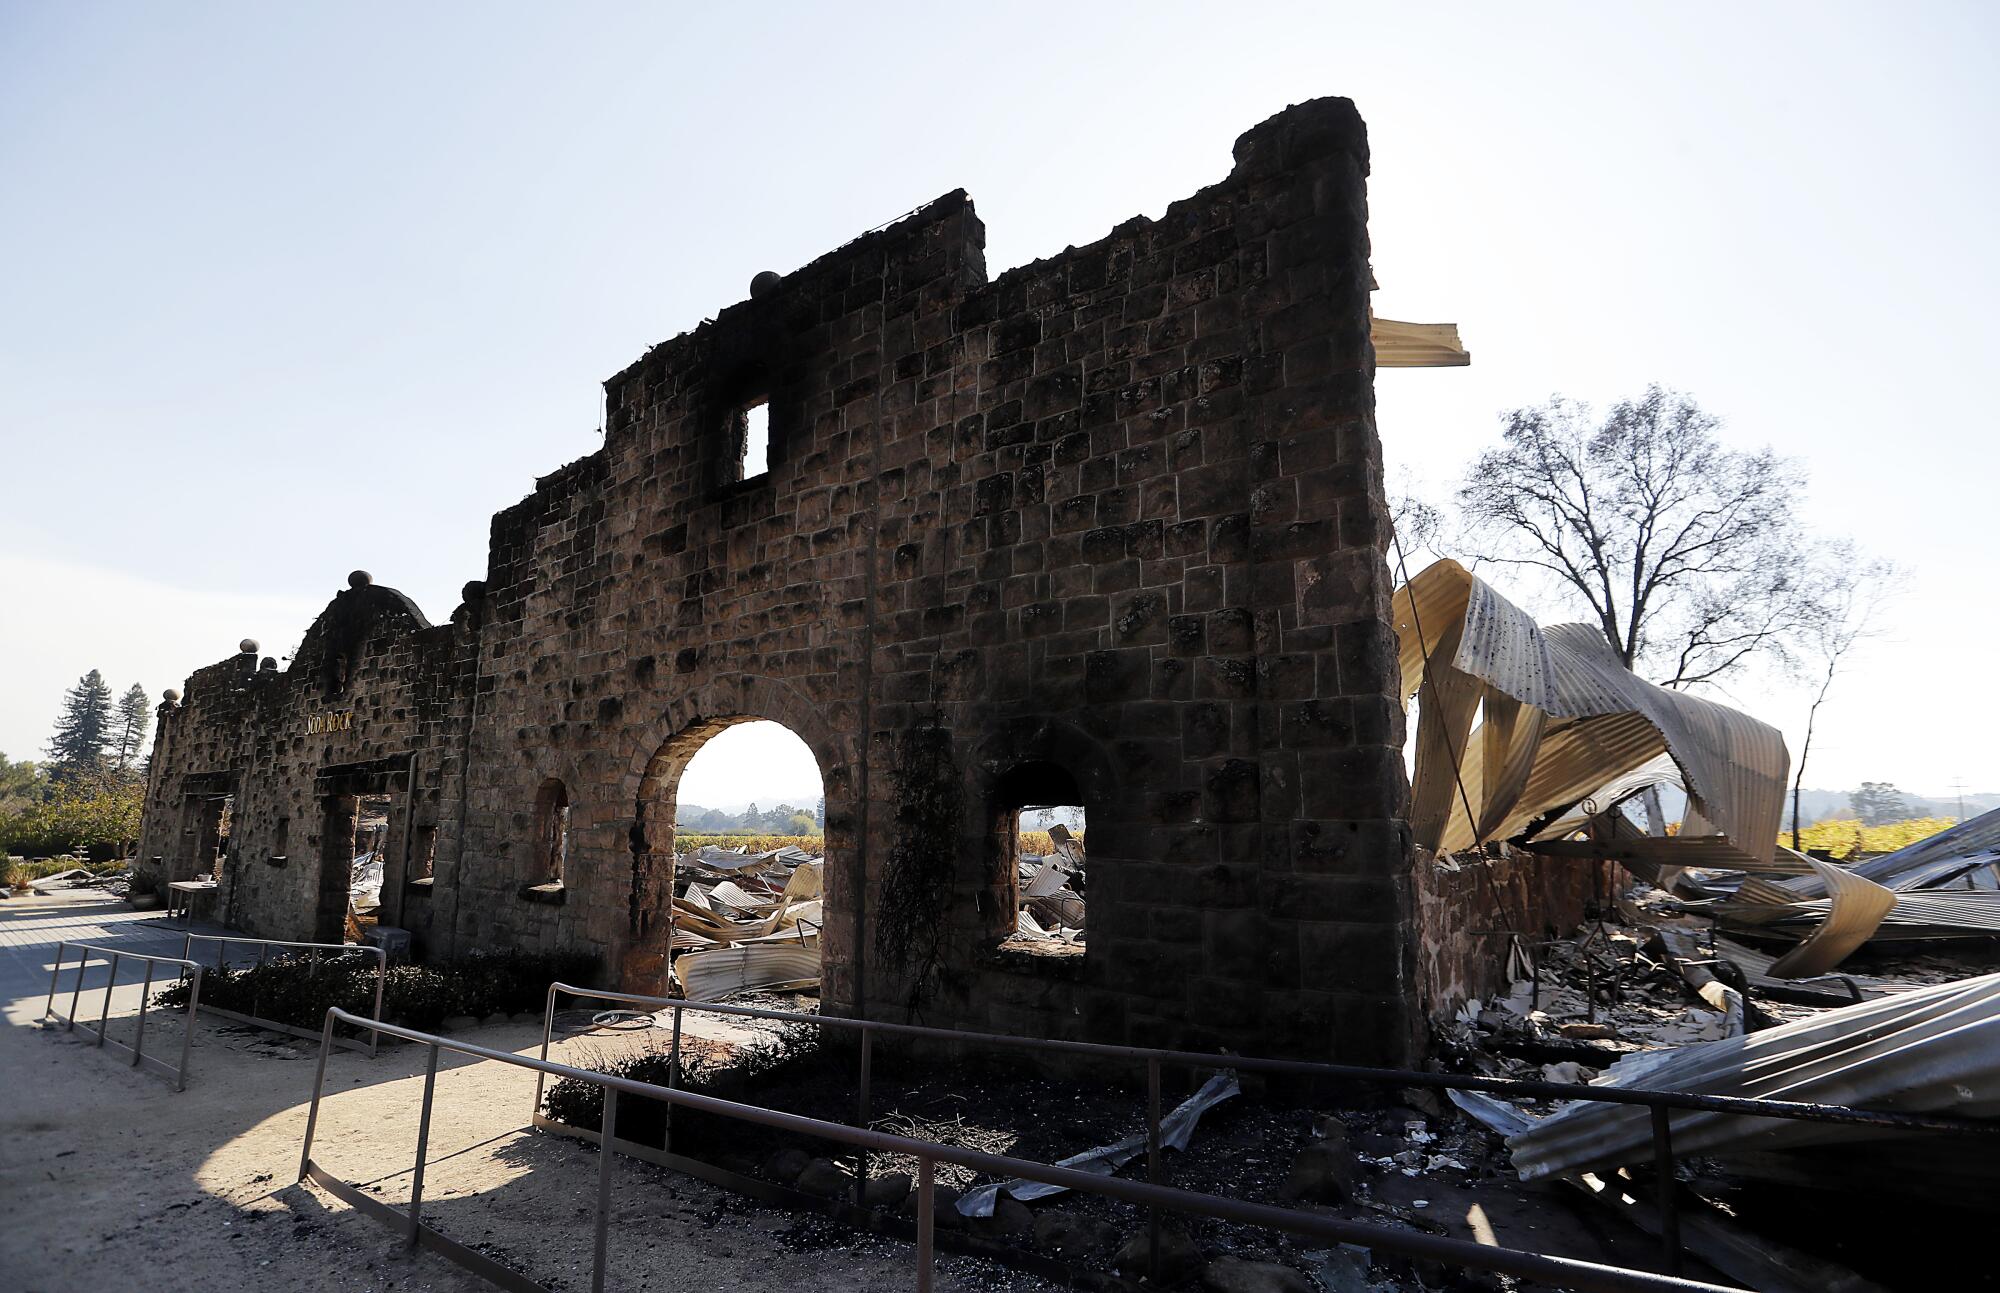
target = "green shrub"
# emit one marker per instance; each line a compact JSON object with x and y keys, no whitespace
{"x":298,"y":990}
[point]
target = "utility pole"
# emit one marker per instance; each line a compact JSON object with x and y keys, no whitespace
{"x":1958,"y":785}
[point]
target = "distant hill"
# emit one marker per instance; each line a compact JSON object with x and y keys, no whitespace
{"x":778,"y":819}
{"x":1823,"y":805}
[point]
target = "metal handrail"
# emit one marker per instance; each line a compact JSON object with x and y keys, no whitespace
{"x":138,"y":1047}
{"x":264,"y":946}
{"x":1659,"y":1102}
{"x":1563,"y":1272}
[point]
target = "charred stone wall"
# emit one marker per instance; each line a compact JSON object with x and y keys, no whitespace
{"x":1470,"y":907}
{"x":1111,"y":523}
{"x":369,"y":705}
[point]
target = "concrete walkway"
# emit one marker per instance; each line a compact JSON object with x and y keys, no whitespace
{"x":31,"y":927}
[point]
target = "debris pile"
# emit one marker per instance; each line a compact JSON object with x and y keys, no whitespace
{"x":746,"y":921}
{"x":1051,"y":888}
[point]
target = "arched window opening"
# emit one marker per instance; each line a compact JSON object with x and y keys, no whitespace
{"x":1036,"y":894}
{"x":747,"y":805}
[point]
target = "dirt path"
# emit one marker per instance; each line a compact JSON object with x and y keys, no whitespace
{"x":111,"y":1180}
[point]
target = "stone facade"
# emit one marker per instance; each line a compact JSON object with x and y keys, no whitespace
{"x":1107,"y":530}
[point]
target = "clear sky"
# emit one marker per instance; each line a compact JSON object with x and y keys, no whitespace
{"x":293,"y":290}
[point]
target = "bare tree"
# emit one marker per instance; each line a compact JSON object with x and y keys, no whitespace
{"x":1849,"y":593}
{"x":1417,"y":524}
{"x":1685,"y":550}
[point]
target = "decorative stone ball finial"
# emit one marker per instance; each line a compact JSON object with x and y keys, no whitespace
{"x":360,"y":579}
{"x":764,"y":284}
{"x":267,"y":665}
{"x":474,"y":590}
{"x":248,"y":646}
{"x":171,"y":696}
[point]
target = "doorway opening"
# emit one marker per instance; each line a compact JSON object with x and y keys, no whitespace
{"x":216,"y":819}
{"x":357,"y":839}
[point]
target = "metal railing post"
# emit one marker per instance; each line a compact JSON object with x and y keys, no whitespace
{"x":145,"y":996}
{"x":319,"y":1083}
{"x":423,"y":1144}
{"x":925,"y":1222}
{"x":104,"y":1016}
{"x":381,"y":982}
{"x":76,"y":994}
{"x":1153,"y":1165}
{"x":1663,"y":1168}
{"x":673,"y":1083}
{"x":62,"y":953}
{"x":607,"y":1134}
{"x":548,"y":1030}
{"x":187,"y":1034}
{"x":861,"y":1103}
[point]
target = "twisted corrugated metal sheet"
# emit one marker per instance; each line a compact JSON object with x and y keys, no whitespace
{"x":1563,"y":716}
{"x":1933,"y":1050}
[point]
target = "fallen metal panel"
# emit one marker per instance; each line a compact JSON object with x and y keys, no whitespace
{"x":1175,"y":1130}
{"x":1931,"y":1050}
{"x":712,"y":975}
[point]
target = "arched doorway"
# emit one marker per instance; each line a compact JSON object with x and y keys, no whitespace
{"x":731,"y":860}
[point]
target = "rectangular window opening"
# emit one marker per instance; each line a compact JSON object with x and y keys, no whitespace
{"x":756,"y":440}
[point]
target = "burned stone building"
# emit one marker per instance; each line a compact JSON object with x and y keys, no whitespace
{"x":1107,"y":529}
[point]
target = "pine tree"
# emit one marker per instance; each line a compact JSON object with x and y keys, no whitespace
{"x":135,"y":717}
{"x":83,"y":731}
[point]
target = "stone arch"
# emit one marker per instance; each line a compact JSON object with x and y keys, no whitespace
{"x":662,"y":752}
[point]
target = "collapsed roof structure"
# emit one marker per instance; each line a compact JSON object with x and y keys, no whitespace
{"x":1564,"y":722}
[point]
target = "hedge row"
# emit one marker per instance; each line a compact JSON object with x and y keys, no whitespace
{"x":298,"y":990}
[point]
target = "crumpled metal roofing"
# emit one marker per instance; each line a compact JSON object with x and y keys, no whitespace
{"x":1968,"y":840}
{"x":1932,"y":1050}
{"x":1561,"y":716}
{"x":1945,"y":886}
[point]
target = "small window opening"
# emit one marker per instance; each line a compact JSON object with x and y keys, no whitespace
{"x":756,"y":441}
{"x":552,"y":834}
{"x":1049,"y":870}
{"x":423,"y":854}
{"x":1034,"y":898}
